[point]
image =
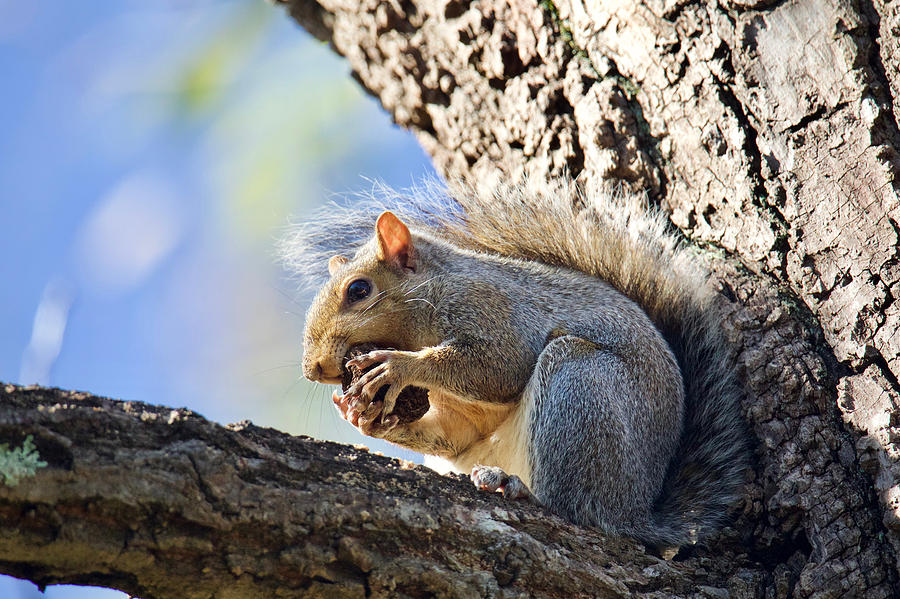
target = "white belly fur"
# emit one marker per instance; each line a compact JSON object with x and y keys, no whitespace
{"x":506,"y":447}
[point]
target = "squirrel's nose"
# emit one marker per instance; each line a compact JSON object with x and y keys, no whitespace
{"x":315,"y":371}
{"x":312,"y":369}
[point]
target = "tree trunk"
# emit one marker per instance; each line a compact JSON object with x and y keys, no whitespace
{"x":767,"y":130}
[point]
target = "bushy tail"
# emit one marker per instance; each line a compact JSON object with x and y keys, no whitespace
{"x":615,"y":237}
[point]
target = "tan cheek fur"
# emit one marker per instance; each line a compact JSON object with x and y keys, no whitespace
{"x":332,"y":329}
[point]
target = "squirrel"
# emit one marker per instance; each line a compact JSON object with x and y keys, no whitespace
{"x":565,"y":338}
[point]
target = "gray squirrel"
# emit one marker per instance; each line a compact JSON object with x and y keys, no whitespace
{"x":565,"y":339}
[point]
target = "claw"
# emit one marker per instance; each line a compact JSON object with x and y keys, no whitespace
{"x":368,"y":359}
{"x":390,"y":398}
{"x":341,"y":402}
{"x":372,"y":422}
{"x":368,"y":384}
{"x":491,"y":478}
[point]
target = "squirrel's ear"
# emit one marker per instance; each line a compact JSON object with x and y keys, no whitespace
{"x":394,"y":241}
{"x":336,"y":262}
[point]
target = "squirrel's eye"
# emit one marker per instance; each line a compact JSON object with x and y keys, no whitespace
{"x":358,"y":290}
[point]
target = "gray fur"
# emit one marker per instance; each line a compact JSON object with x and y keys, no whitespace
{"x":634,"y":412}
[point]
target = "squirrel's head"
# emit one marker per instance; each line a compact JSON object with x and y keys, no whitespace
{"x":365,"y":300}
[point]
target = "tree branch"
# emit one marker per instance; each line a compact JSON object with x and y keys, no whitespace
{"x":161,"y":503}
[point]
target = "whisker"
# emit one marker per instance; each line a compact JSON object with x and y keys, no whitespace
{"x":287,"y":295}
{"x":419,"y":299}
{"x":310,"y":404}
{"x":388,"y":313}
{"x":292,"y":386}
{"x":425,"y":282}
{"x":378,"y":297}
{"x":273,"y":368}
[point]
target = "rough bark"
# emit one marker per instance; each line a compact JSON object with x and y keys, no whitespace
{"x":160,"y":503}
{"x":768,"y":131}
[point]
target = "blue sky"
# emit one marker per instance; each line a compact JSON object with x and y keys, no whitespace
{"x":151,"y":155}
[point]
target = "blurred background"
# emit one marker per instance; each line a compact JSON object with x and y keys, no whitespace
{"x":151,"y":155}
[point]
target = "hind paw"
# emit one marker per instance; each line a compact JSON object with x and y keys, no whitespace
{"x":492,"y":478}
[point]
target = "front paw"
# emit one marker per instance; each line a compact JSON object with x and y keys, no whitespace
{"x":387,"y":368}
{"x":367,"y":416}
